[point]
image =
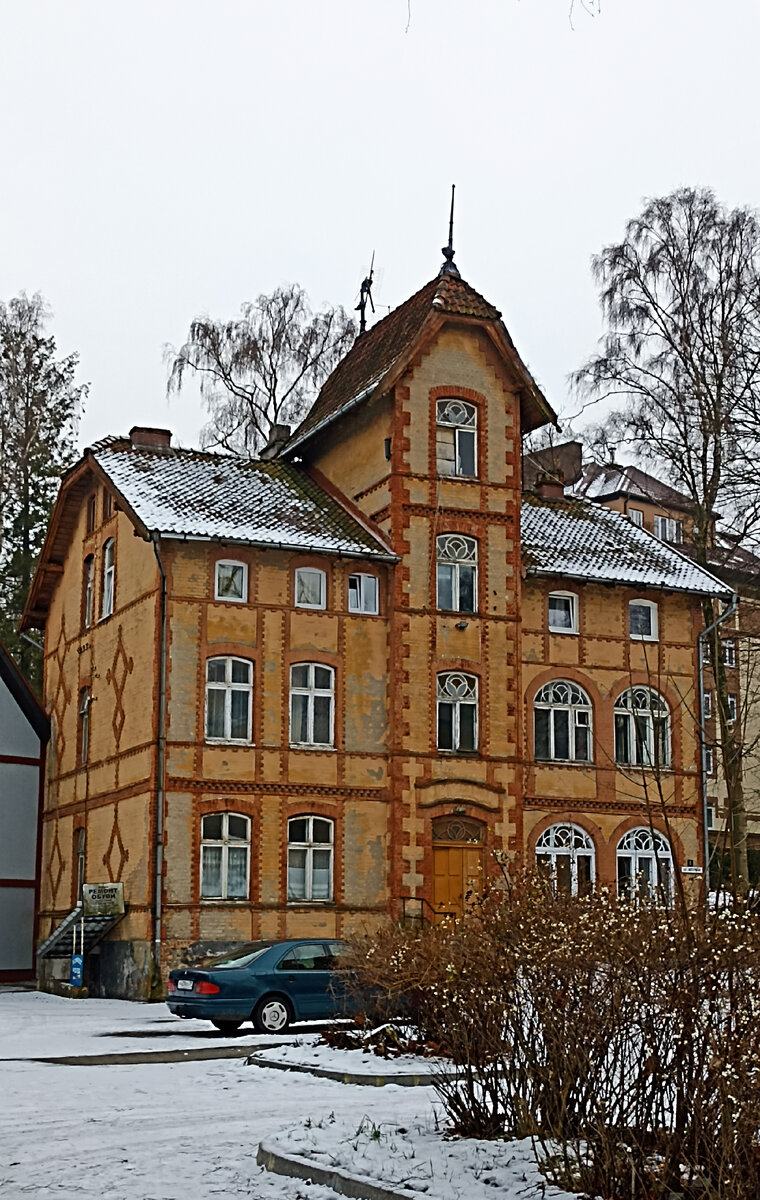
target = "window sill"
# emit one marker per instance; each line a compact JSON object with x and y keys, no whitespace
{"x":642,"y":637}
{"x":229,"y":600}
{"x":312,"y":607}
{"x":571,"y":632}
{"x":224,"y":900}
{"x":458,"y":753}
{"x":563,"y":762}
{"x":309,"y":903}
{"x":228,"y":742}
{"x":311,"y":746}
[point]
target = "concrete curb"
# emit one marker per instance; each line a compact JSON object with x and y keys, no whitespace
{"x":345,"y":1076}
{"x":131,"y":1058}
{"x":295,"y":1167}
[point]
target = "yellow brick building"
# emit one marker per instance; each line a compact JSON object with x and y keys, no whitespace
{"x":303,"y":695}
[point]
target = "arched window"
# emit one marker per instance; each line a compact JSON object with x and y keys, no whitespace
{"x":312,"y":694}
{"x":88,"y":591}
{"x":456,"y":431}
{"x":310,"y":858}
{"x":457,"y":711}
{"x":565,"y":853}
{"x":645,"y":865}
{"x":225,"y":856}
{"x":231,"y":581}
{"x":642,"y":728}
{"x":562,"y":717}
{"x":457,"y":566}
{"x":109,"y":579}
{"x":229,"y":687}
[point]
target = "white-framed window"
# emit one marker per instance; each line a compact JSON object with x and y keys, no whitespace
{"x":231,"y":580}
{"x":642,"y":728}
{"x":709,"y":760}
{"x":636,"y":515}
{"x":706,"y":653}
{"x":729,"y":652}
{"x":732,"y":707}
{"x":88,"y":591}
{"x":457,"y":711}
{"x":109,"y":579}
{"x":710,"y":817}
{"x":225,"y":856}
{"x":668,"y":529}
{"x":563,"y":612}
{"x":312,"y":704}
{"x":229,"y":692}
{"x":642,"y":620}
{"x":645,"y":866}
{"x":565,"y":854}
{"x":85,"y":700}
{"x":562,"y":722}
{"x":456,"y":438}
{"x":310,"y":587}
{"x":310,"y":858}
{"x":457,"y":572}
{"x":707,"y":706}
{"x":363,"y":594}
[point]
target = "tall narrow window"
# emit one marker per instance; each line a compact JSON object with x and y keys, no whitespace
{"x":732,"y":708}
{"x":457,"y":563}
{"x":228,"y":699}
{"x":457,"y":712}
{"x":85,"y":699}
{"x":310,"y":858}
{"x":645,"y":866}
{"x":642,"y":729}
{"x":363,"y":594}
{"x":562,"y":713}
{"x":230,"y":581}
{"x":88,"y":591}
{"x":80,"y":847}
{"x":107,"y":504}
{"x":225,"y":856}
{"x":311,"y":587}
{"x":109,"y":579}
{"x":636,"y":515}
{"x":565,"y":854}
{"x":707,"y":706}
{"x":642,"y":620}
{"x":456,"y":430}
{"x":709,"y":760}
{"x":729,"y":653}
{"x":91,"y":500}
{"x":312,"y":689}
{"x":563,"y":612}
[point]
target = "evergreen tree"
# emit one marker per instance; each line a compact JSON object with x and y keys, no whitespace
{"x":39,"y":407}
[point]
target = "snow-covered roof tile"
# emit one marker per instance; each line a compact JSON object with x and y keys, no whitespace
{"x":184,"y":493}
{"x":577,"y":539}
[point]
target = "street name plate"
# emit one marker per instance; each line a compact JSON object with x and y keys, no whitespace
{"x":691,"y":870}
{"x":103,"y":899}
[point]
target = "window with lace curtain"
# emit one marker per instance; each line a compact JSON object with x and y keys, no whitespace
{"x":225,"y":856}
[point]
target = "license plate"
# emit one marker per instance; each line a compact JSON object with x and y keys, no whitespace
{"x":185,"y":985}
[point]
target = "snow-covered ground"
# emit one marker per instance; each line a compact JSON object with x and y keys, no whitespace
{"x":304,"y":1053}
{"x":177,"y":1131}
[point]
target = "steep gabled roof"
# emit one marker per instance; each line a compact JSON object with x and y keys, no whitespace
{"x":23,"y":695}
{"x":576,"y":539}
{"x":379,"y":356}
{"x":607,"y":482}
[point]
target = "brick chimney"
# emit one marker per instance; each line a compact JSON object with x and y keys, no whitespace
{"x":143,"y":437}
{"x":550,"y":485}
{"x":278,"y":436}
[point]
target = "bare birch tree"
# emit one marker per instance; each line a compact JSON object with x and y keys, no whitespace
{"x":262,"y":368}
{"x":681,"y":300}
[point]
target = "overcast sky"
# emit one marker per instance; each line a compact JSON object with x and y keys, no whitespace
{"x":166,"y":158}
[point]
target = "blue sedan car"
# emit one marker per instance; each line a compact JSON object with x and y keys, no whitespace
{"x":268,"y":983}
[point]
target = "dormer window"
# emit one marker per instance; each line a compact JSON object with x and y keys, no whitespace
{"x":231,"y":581}
{"x":456,"y":430}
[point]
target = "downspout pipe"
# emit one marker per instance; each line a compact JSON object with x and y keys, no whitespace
{"x":160,"y":770}
{"x":701,"y":643}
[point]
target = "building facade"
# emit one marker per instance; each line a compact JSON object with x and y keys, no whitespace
{"x":301,"y":696}
{"x":24,"y":732}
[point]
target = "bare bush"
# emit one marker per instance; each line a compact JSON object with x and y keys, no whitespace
{"x":625,"y":1040}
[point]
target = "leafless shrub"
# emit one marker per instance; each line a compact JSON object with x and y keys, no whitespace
{"x":625,"y":1040}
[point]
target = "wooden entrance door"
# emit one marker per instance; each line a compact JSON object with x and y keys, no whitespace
{"x":457,"y":863}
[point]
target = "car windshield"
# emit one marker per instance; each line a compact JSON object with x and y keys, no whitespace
{"x":242,"y":957}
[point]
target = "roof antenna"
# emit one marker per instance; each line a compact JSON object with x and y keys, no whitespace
{"x":448,"y":267}
{"x":365,"y":294}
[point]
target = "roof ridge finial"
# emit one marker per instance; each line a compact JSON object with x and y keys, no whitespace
{"x":448,"y":267}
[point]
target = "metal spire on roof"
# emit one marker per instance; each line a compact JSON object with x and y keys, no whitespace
{"x":448,"y":267}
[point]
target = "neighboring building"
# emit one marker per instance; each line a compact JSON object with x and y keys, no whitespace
{"x":298,"y":696}
{"x":666,"y":512}
{"x":24,"y":732}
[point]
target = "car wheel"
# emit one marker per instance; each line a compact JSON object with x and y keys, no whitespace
{"x":227,"y":1027}
{"x":272,"y":1015}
